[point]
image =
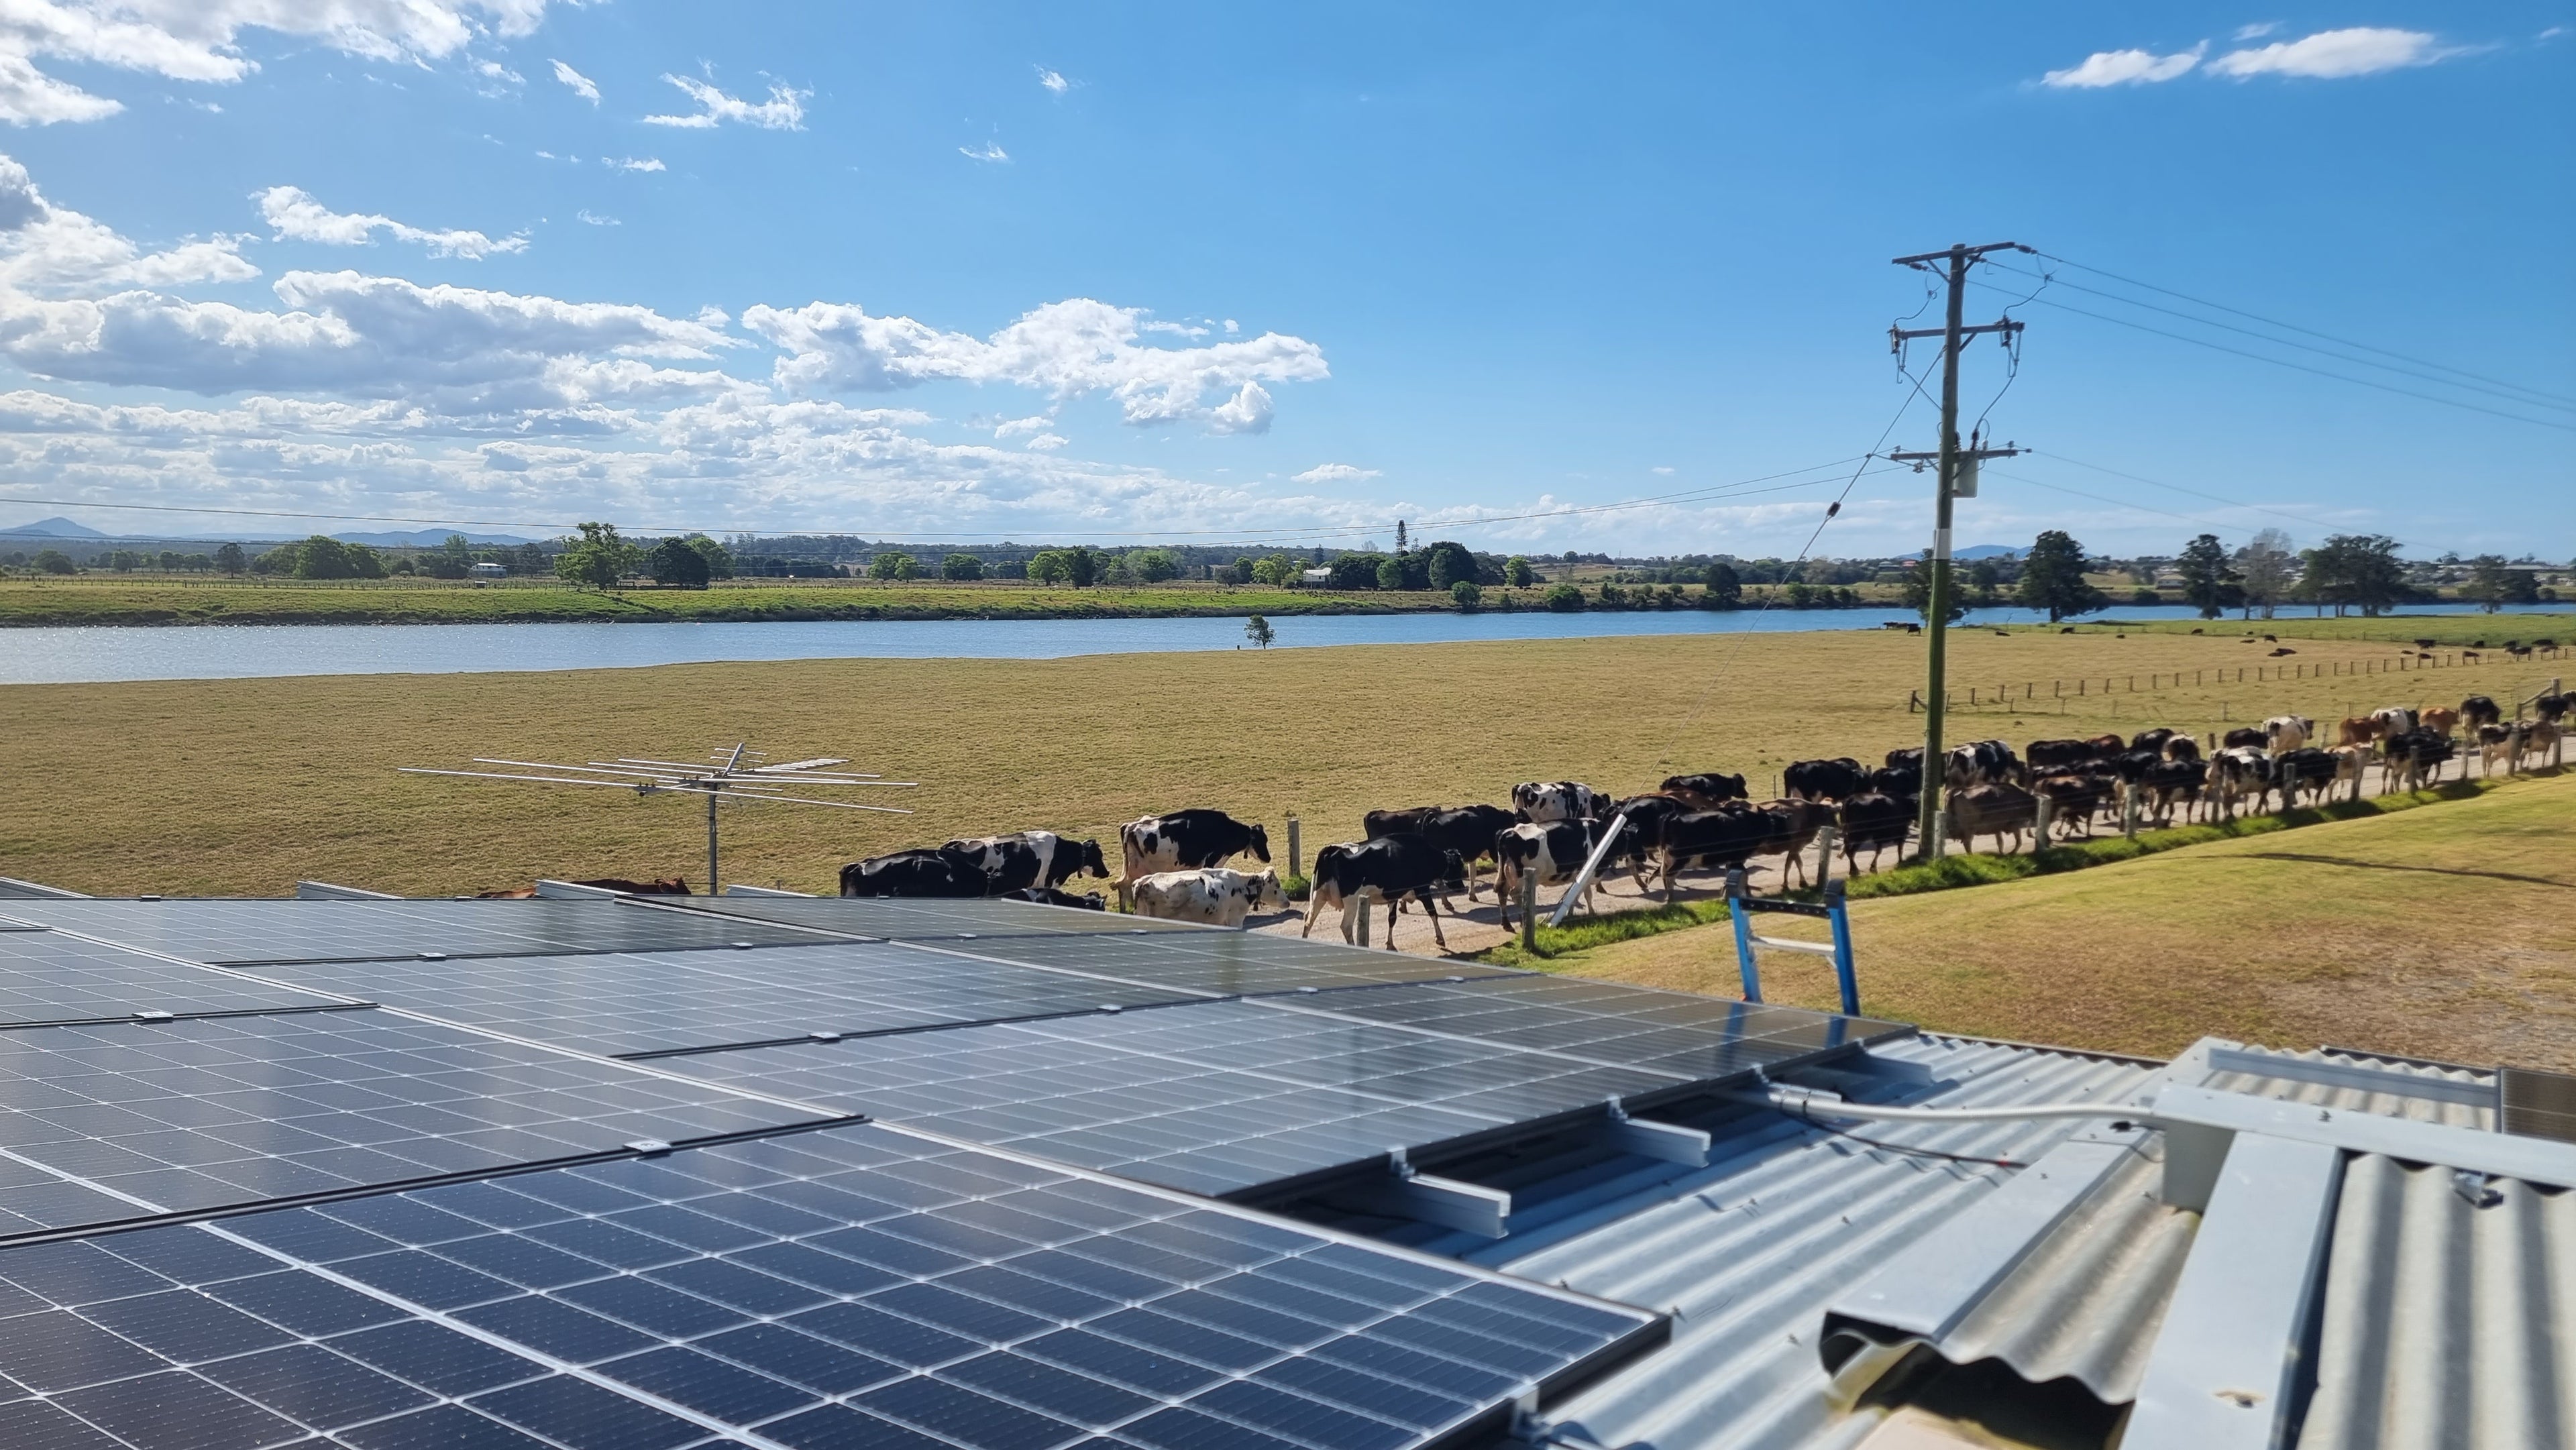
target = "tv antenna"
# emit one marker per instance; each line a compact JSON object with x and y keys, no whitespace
{"x":735,"y":774}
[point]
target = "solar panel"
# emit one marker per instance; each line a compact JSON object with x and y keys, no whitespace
{"x":907,"y":918}
{"x":238,"y":933}
{"x":48,"y":977}
{"x":146,"y":1118}
{"x":1222,"y":963}
{"x":1214,"y":1098}
{"x":1672,"y":1032}
{"x":850,"y":1286}
{"x":633,"y":1003}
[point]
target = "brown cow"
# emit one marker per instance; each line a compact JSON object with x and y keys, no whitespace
{"x":2357,"y":730}
{"x":2440,"y":719}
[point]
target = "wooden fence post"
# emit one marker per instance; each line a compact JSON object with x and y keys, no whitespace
{"x":1295,"y":861}
{"x":1364,"y":921}
{"x":2041,"y":823}
{"x":1529,"y":911}
{"x":1824,"y":853}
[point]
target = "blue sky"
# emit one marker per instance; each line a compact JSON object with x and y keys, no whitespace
{"x":1287,"y":274}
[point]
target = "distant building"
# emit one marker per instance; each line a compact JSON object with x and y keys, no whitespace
{"x":1315,"y":576}
{"x":486,"y":569}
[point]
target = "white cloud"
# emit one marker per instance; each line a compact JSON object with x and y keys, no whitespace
{"x":633,"y":163}
{"x":2125,"y":67}
{"x":1666,"y":472}
{"x":2256,"y":31}
{"x":498,"y":75}
{"x":1333,"y":473}
{"x":579,"y":84}
{"x":1008,"y":427}
{"x":595,"y":219}
{"x":2336,"y":54}
{"x":1053,"y":80}
{"x":47,"y":249}
{"x":1066,"y":348}
{"x":293,"y":213}
{"x":1047,"y":443}
{"x":783,"y":111}
{"x":989,"y":151}
{"x":196,"y":40}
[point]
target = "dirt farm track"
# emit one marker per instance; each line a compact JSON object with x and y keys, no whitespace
{"x":242,"y":787}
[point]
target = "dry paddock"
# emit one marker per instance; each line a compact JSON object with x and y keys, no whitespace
{"x":244,"y":786}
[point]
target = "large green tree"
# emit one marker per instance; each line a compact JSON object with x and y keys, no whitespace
{"x":2353,"y":571}
{"x":597,"y":559}
{"x":674,"y":564}
{"x":1725,"y":589}
{"x":1918,"y":593}
{"x":2052,"y":578}
{"x":2209,"y":583}
{"x":1447,"y":562}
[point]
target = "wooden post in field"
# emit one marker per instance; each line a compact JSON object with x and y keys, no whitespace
{"x":1824,"y":853}
{"x":2047,"y":811}
{"x":1529,"y":911}
{"x":1364,"y":920}
{"x":1296,"y":866}
{"x":2129,"y":816}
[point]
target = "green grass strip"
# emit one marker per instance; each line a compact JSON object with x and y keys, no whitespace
{"x":1950,"y":872}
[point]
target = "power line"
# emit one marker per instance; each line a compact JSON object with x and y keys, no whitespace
{"x":2509,"y":392}
{"x":2273,"y":322}
{"x":2178,"y":488}
{"x":2115,"y":502}
{"x":2303,"y":367}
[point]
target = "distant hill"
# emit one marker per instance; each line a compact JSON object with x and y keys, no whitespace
{"x":1987,"y":551}
{"x":55,"y":528}
{"x":428,"y":539}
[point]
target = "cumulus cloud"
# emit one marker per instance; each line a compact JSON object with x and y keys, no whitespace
{"x":783,"y":111}
{"x":989,"y":151}
{"x":293,"y":213}
{"x":579,"y":84}
{"x":389,"y":396}
{"x":47,"y":249}
{"x":1066,"y":348}
{"x":2125,"y":68}
{"x":197,"y":40}
{"x":1323,"y":473}
{"x":1053,"y":80}
{"x":2336,"y":54}
{"x":633,"y":163}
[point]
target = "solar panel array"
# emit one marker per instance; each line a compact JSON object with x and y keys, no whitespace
{"x":240,"y":1205}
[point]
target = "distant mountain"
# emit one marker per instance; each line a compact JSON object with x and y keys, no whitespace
{"x":1987,"y":551}
{"x":55,"y":528}
{"x":428,"y":539}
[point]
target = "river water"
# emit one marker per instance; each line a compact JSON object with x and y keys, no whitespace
{"x":225,"y":652}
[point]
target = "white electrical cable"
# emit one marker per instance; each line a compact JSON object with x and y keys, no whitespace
{"x":1809,"y":1105}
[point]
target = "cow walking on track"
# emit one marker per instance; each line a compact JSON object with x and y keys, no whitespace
{"x":1215,"y":896}
{"x":1025,"y":860}
{"x":1388,"y":869}
{"x":1547,"y":853}
{"x":1183,"y":841}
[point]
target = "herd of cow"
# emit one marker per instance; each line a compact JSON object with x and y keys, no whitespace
{"x":1174,"y":866}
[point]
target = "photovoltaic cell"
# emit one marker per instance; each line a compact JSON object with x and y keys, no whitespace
{"x":1675,"y":1032}
{"x":626,"y":1003}
{"x":48,"y":977}
{"x":894,"y":918}
{"x":212,"y":1112}
{"x":849,"y":1286}
{"x":1224,"y":963}
{"x":1213,"y":1098}
{"x":236,"y":933}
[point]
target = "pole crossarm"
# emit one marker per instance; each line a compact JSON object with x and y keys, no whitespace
{"x":1946,"y":254}
{"x":1908,"y":333}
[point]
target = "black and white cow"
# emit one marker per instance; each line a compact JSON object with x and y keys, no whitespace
{"x":1386,"y":869}
{"x":1024,"y":860}
{"x":1993,"y":809}
{"x":1645,"y":816}
{"x":1048,"y":896}
{"x":913,"y":873}
{"x":1547,"y":853}
{"x":1543,"y":801}
{"x":1983,"y":762}
{"x":1711,"y":840}
{"x":1873,"y":821}
{"x":2308,"y":769}
{"x":1706,"y":791}
{"x":1823,"y":780}
{"x":1183,"y":841}
{"x":2479,"y":710}
{"x":1210,"y":896}
{"x":1405,"y":822}
{"x":2054,"y":755}
{"x":1469,"y":831}
{"x":2165,"y":784}
{"x":2240,"y":774}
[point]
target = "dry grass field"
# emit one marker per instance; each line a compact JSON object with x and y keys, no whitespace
{"x":243,"y":786}
{"x":2447,"y":931}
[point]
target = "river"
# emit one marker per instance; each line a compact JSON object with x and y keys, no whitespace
{"x":231,"y":652}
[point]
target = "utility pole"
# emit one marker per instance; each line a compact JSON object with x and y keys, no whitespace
{"x":1947,"y":460}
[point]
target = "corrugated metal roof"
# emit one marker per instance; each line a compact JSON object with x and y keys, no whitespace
{"x":2446,"y":1323}
{"x":2420,"y":1109}
{"x":1746,"y":1252}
